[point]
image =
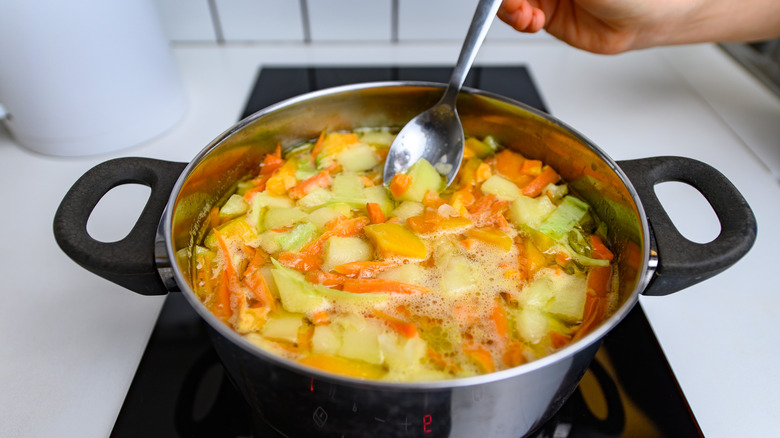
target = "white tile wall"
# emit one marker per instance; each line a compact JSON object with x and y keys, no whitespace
{"x":260,"y":20}
{"x":228,"y":21}
{"x":434,"y":19}
{"x":350,"y":20}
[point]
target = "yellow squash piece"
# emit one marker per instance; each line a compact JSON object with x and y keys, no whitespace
{"x":345,"y":367}
{"x":393,"y":239}
{"x":492,"y":236}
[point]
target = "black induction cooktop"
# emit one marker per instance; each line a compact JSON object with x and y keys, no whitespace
{"x":181,"y":390}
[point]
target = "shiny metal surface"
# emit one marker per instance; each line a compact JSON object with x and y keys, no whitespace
{"x":436,"y":134}
{"x":506,"y":403}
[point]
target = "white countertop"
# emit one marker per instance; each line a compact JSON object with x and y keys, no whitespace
{"x":72,"y":341}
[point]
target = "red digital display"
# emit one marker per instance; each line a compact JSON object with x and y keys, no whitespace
{"x":427,"y":420}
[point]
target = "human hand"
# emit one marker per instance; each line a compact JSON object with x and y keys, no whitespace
{"x":600,"y":26}
{"x":615,"y":26}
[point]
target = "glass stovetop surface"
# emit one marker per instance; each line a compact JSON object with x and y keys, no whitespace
{"x":181,"y":389}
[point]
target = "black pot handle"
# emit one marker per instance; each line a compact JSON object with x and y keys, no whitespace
{"x":681,"y":262}
{"x":128,"y":262}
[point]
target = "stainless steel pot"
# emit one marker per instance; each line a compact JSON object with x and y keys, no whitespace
{"x":653,"y":258}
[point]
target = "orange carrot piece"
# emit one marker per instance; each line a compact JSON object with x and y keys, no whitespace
{"x":326,"y":279}
{"x":223,"y":310}
{"x":535,"y":187}
{"x":305,"y":335}
{"x":320,"y":317}
{"x":230,"y":270}
{"x":509,"y":163}
{"x":531,"y":167}
{"x":462,"y":199}
{"x":230,"y":276}
{"x":300,"y":262}
{"x":598,"y":280}
{"x":318,"y":145}
{"x":321,"y":179}
{"x":432,"y":199}
{"x":270,"y":164}
{"x":467,"y":244}
{"x":214,"y":217}
{"x":344,"y":227}
{"x":340,"y":227}
{"x":256,"y":282}
{"x":375,"y":214}
{"x":498,"y":315}
{"x":482,"y":357}
{"x":558,"y":340}
{"x":363,"y":269}
{"x":594,"y":314}
{"x":367,"y":182}
{"x":251,"y":192}
{"x":513,"y":354}
{"x":400,"y":184}
{"x":562,"y":258}
{"x":483,"y":172}
{"x":377,"y":285}
{"x":600,"y":251}
{"x":404,"y":328}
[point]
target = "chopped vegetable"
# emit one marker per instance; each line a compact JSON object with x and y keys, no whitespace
{"x":316,"y":259}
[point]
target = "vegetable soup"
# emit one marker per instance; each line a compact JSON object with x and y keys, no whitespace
{"x":317,"y":260}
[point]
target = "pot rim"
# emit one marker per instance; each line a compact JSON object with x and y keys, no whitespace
{"x":566,"y":352}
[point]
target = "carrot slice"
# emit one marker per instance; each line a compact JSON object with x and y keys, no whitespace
{"x":363,"y":269}
{"x":375,"y":214}
{"x":326,"y":279}
{"x":535,"y":187}
{"x":340,"y":227}
{"x":432,"y":199}
{"x":483,"y":172}
{"x":374,"y":285}
{"x":320,"y":317}
{"x":600,"y":251}
{"x":482,"y":357}
{"x":509,"y":164}
{"x":321,"y":179}
{"x":223,"y":308}
{"x":598,"y":280}
{"x":531,"y":167}
{"x":230,"y":282}
{"x":256,"y":282}
{"x":318,"y":145}
{"x":400,"y":184}
{"x":405,"y":328}
{"x":498,"y":315}
{"x":513,"y":355}
{"x":558,"y":340}
{"x":300,"y":262}
{"x":594,"y":314}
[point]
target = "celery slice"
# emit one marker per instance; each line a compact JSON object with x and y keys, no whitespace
{"x":564,"y":218}
{"x":300,"y":235}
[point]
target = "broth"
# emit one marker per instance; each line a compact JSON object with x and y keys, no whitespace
{"x":316,"y":260}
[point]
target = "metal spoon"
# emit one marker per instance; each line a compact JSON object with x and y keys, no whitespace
{"x":437,"y":134}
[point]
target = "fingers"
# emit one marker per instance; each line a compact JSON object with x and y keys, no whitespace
{"x":521,"y":15}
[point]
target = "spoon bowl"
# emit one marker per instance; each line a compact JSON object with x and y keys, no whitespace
{"x":437,"y":134}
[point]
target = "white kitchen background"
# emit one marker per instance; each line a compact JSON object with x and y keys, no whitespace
{"x":322,"y":21}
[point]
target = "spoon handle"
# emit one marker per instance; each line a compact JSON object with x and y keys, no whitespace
{"x":480,"y":24}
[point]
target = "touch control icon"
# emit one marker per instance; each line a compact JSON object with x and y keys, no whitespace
{"x":320,"y":417}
